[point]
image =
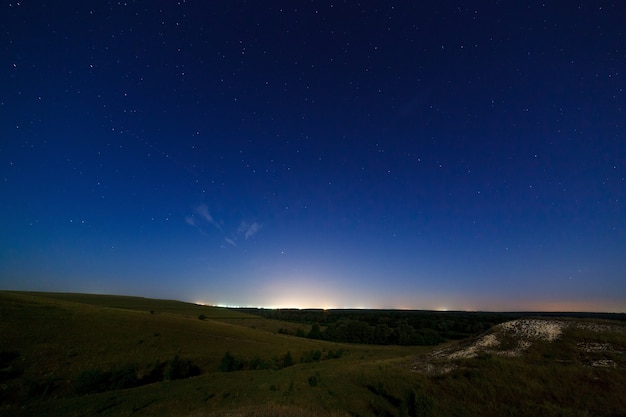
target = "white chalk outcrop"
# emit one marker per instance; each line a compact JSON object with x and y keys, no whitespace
{"x":512,"y":338}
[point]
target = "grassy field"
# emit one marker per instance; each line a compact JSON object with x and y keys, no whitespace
{"x":54,"y":346}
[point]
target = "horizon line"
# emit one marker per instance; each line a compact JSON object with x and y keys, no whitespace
{"x":330,"y":308}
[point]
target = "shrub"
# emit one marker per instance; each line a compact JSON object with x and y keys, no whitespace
{"x":274,"y":363}
{"x":315,"y":332}
{"x":287,"y":360}
{"x":316,"y":355}
{"x":312,"y":356}
{"x":123,"y":378}
{"x":6,"y":357}
{"x":39,"y":388}
{"x":95,"y":380}
{"x":153,"y":373}
{"x":229,"y":363}
{"x":8,"y":368}
{"x":335,"y":354}
{"x":179,"y":368}
{"x":258,"y":364}
{"x":91,"y":381}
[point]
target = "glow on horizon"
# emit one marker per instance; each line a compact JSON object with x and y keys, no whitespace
{"x":300,"y":303}
{"x":326,"y":293}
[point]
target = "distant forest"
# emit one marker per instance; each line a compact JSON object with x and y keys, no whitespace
{"x":398,"y":327}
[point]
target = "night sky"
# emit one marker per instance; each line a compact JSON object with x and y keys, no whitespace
{"x":422,"y":155}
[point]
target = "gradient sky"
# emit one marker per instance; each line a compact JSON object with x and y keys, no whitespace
{"x":438,"y":155}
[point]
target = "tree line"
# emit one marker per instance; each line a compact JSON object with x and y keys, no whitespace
{"x":385,"y":327}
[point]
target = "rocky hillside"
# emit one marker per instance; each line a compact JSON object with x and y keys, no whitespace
{"x":587,"y":343}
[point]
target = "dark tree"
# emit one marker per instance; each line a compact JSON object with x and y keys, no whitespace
{"x":315,"y":332}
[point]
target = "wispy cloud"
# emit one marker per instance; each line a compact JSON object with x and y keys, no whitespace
{"x":248,"y":229}
{"x":201,"y":218}
{"x":252,"y":230}
{"x":203,"y":211}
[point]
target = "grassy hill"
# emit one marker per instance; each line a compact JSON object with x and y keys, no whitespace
{"x":172,"y":307}
{"x":80,"y":354}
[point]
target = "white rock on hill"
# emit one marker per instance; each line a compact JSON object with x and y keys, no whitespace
{"x":511,"y":338}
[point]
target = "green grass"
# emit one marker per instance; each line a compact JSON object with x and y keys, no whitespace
{"x":49,"y":341}
{"x":145,"y":305}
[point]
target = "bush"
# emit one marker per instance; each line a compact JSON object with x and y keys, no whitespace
{"x":335,"y":354}
{"x":123,"y":378}
{"x":6,"y":357}
{"x":153,"y":373}
{"x":92,"y":381}
{"x":287,"y":360}
{"x":39,"y":388}
{"x":312,"y":356}
{"x":229,"y":363}
{"x":315,"y":332}
{"x":8,"y":368}
{"x":180,"y":369}
{"x":95,"y":380}
{"x":260,"y":364}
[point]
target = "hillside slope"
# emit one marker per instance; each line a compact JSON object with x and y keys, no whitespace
{"x":77,"y":355}
{"x":532,"y":367}
{"x":55,"y":350}
{"x":586,"y":343}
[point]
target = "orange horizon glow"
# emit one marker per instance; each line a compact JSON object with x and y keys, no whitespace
{"x":531,"y":306}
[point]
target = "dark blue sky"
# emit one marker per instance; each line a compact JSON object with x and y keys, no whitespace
{"x":316,"y":154}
